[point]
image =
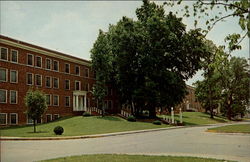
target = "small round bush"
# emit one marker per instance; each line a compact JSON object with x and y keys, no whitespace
{"x":131,"y":118}
{"x":86,"y":114}
{"x":157,"y":122}
{"x":58,"y":130}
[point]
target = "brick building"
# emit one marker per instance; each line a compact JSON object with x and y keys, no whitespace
{"x":66,"y":81}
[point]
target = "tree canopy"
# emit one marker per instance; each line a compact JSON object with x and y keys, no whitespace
{"x":149,"y":59}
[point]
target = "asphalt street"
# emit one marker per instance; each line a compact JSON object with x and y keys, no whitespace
{"x":193,"y":141}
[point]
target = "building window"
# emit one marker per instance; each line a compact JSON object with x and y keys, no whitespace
{"x":77,"y":70}
{"x":30,"y":60}
{"x":56,"y":65}
{"x":3,"y":118}
{"x":3,"y":96}
{"x":67,"y":68}
{"x":67,"y":101}
{"x":110,"y":104}
{"x":48,"y":118}
{"x":86,"y":72}
{"x":13,"y":76}
{"x":13,"y":97}
{"x":3,"y":75}
{"x":29,"y":120}
{"x":56,"y":116}
{"x":38,"y":80}
{"x":48,"y":99}
{"x":55,"y":82}
{"x":77,"y":85}
{"x":48,"y":64}
{"x":13,"y":119}
{"x":48,"y":82}
{"x":4,"y":53}
{"x":14,"y":56}
{"x":55,"y":100}
{"x":29,"y":78}
{"x":87,"y":87}
{"x":38,"y":61}
{"x":67,"y":84}
{"x":106,"y":104}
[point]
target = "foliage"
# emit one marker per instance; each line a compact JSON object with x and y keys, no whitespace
{"x":35,"y":102}
{"x":86,"y":114}
{"x":157,"y":122}
{"x":148,"y":59}
{"x":58,"y":130}
{"x":231,"y":9}
{"x":131,"y":118}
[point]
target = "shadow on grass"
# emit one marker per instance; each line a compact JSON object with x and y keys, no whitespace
{"x":37,"y":132}
{"x":110,"y":118}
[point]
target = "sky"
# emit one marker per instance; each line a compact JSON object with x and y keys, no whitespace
{"x":72,"y":27}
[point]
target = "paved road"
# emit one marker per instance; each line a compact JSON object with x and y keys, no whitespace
{"x":185,"y":141}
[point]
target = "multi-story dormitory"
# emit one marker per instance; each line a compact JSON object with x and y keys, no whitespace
{"x":66,"y":80}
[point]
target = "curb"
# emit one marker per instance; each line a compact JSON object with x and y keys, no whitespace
{"x":101,"y":135}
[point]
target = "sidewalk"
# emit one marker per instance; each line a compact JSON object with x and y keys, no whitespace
{"x":107,"y":134}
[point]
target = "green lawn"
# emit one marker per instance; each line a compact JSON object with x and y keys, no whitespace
{"x":239,"y":128}
{"x":197,"y":118}
{"x":129,"y":158}
{"x":75,"y":126}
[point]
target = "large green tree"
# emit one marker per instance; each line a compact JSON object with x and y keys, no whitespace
{"x":150,"y":58}
{"x":35,"y":102}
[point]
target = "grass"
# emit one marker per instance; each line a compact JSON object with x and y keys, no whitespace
{"x":239,"y":128}
{"x":75,"y":126}
{"x":129,"y":158}
{"x":197,"y":118}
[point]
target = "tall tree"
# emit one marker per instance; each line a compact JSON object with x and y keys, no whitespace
{"x":35,"y":102}
{"x":150,"y":58}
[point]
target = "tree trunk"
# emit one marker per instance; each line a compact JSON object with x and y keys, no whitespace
{"x":229,"y":108}
{"x":103,"y":109}
{"x":152,"y":113}
{"x":34,"y":124}
{"x":210,"y":95}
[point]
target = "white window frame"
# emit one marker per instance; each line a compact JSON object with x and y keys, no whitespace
{"x":65,"y":84}
{"x":1,"y":53}
{"x":50,"y":117}
{"x":27,"y":116}
{"x":5,"y":74}
{"x":16,"y":97}
{"x":6,"y":95}
{"x":58,"y":100}
{"x":46,"y":64}
{"x":41,"y":62}
{"x":65,"y":68}
{"x":6,"y":121}
{"x":41,"y":80}
{"x":32,"y":59}
{"x":79,"y":85}
{"x":49,"y":98}
{"x":57,"y":64}
{"x":79,"y":70}
{"x":65,"y":101}
{"x":16,"y":76}
{"x":57,"y":84}
{"x":57,"y":115}
{"x":46,"y":81}
{"x":31,"y":78}
{"x":16,"y":118}
{"x":85,"y":73}
{"x":11,"y":55}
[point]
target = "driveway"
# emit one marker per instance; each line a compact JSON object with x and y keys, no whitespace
{"x":193,"y":141}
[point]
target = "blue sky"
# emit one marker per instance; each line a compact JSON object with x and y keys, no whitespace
{"x":72,"y":27}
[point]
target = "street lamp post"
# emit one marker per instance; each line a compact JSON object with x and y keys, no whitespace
{"x":172,"y":115}
{"x":180,"y":116}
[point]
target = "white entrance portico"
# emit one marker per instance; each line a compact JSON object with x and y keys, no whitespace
{"x":79,"y":100}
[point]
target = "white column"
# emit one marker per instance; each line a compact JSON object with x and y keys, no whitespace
{"x":180,"y":116}
{"x":85,"y":102}
{"x":77,"y":105}
{"x":172,"y":115}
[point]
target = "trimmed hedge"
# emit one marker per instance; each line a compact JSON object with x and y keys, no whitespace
{"x":58,"y":130}
{"x":157,"y":122}
{"x":86,"y":114}
{"x":131,"y":118}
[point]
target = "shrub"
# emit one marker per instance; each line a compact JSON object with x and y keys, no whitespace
{"x":157,"y":122}
{"x":86,"y":114}
{"x":131,"y":118}
{"x":58,"y":130}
